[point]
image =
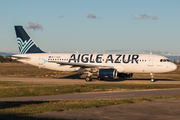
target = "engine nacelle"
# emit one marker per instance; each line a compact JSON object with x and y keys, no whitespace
{"x":125,"y":75}
{"x":107,"y":73}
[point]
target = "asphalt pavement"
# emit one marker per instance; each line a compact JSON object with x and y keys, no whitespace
{"x":155,"y":110}
{"x":67,"y":81}
{"x":100,"y":95}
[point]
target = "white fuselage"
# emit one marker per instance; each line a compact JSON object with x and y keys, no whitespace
{"x":123,"y":63}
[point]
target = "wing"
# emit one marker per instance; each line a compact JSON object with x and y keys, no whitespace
{"x":81,"y":65}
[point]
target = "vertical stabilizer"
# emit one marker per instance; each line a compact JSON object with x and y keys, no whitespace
{"x":25,"y":42}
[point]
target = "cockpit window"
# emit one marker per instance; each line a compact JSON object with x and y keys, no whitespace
{"x":164,"y":60}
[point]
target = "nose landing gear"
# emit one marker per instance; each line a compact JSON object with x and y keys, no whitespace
{"x":152,"y":77}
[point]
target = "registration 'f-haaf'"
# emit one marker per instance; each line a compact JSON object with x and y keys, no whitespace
{"x":105,"y":66}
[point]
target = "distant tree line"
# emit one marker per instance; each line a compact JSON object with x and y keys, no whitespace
{"x":6,"y":59}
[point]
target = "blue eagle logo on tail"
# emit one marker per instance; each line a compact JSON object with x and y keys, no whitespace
{"x":24,"y":46}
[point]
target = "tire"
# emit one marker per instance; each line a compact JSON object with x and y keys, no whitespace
{"x":88,"y":79}
{"x":100,"y":78}
{"x":152,"y":80}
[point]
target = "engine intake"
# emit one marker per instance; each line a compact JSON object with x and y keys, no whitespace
{"x":107,"y":73}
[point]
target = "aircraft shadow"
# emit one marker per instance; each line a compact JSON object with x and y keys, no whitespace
{"x":74,"y":76}
{"x":140,"y":79}
{"x":81,"y":76}
{"x":155,"y":79}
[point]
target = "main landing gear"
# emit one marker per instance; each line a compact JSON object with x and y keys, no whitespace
{"x":152,"y":77}
{"x":88,"y":78}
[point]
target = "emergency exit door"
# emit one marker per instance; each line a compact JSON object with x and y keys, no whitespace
{"x":151,"y":61}
{"x":40,"y":60}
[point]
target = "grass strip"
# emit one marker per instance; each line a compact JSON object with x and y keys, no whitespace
{"x":20,"y":90}
{"x":28,"y":108}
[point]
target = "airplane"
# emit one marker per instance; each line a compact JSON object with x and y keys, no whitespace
{"x":104,"y":65}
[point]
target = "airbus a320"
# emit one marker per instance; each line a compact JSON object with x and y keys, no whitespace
{"x":105,"y":66}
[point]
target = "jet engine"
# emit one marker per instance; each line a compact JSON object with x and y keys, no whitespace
{"x":107,"y":73}
{"x":125,"y":75}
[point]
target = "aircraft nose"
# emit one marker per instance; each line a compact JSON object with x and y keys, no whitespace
{"x":173,"y":67}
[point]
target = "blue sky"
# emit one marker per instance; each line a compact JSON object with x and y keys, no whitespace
{"x":121,"y":26}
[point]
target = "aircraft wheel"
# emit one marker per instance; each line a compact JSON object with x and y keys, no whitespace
{"x":152,"y":77}
{"x":100,"y":78}
{"x":88,"y":79}
{"x":152,"y":80}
